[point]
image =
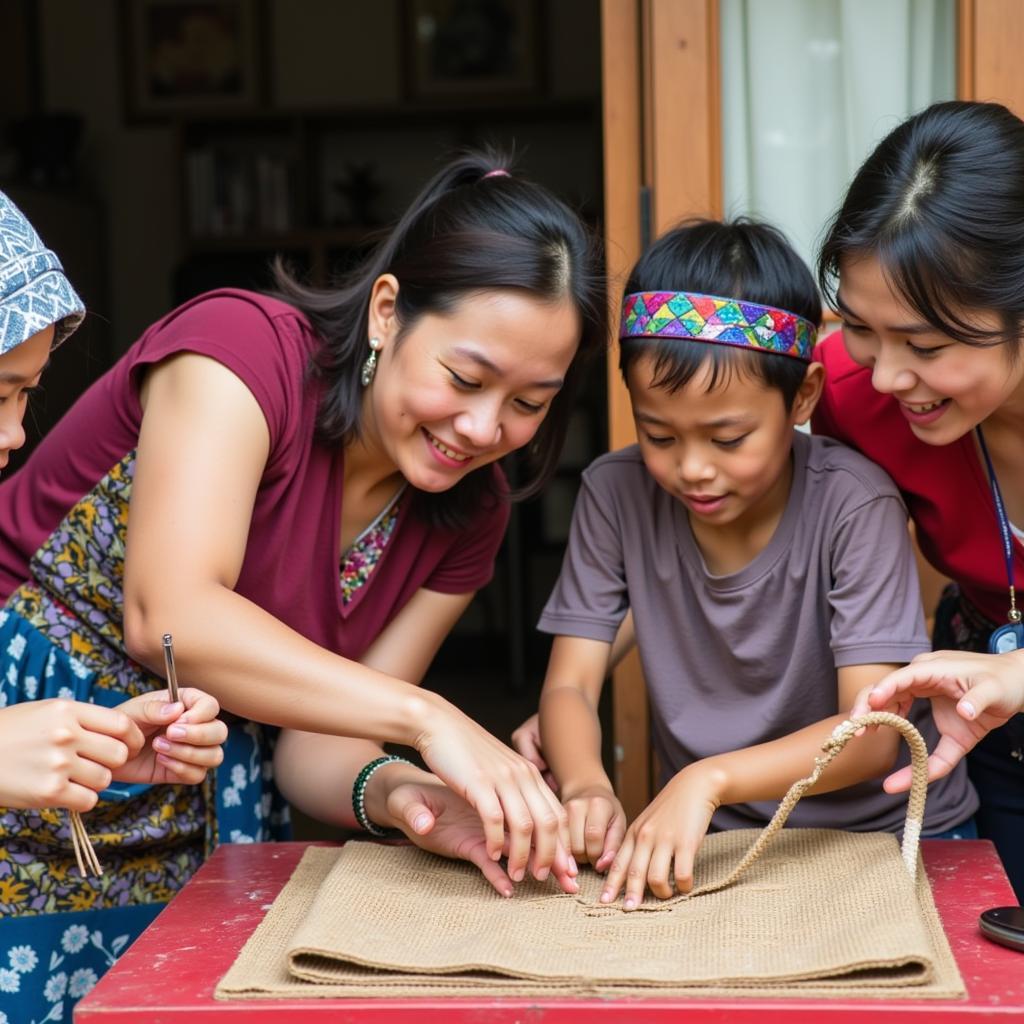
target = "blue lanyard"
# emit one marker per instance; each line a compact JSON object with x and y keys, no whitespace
{"x":1004,"y":525}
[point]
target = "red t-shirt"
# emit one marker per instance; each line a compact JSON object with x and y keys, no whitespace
{"x":291,"y":564}
{"x":945,"y":487}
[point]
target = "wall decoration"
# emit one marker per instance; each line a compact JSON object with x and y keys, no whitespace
{"x":466,"y":49}
{"x":190,"y":56}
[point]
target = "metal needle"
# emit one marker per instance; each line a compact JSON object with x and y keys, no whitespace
{"x":172,"y":676}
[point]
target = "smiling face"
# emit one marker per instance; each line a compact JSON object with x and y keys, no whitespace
{"x":458,"y":391}
{"x":20,"y":370}
{"x":943,"y":387}
{"x":724,"y":453}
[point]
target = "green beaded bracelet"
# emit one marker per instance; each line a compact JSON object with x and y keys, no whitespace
{"x":359,"y":792}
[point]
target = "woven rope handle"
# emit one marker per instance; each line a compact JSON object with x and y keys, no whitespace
{"x":841,"y":735}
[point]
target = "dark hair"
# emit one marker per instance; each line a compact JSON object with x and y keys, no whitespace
{"x":940,"y":204}
{"x":467,"y":231}
{"x":739,"y":259}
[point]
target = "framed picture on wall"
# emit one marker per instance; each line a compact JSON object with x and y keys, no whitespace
{"x":190,"y":56}
{"x":472,"y":49}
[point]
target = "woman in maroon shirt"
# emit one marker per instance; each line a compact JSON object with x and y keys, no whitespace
{"x":304,"y":491}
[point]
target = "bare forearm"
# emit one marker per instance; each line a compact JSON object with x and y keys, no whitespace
{"x":259,"y":668}
{"x":571,"y":739}
{"x":766,"y":771}
{"x":316,"y":774}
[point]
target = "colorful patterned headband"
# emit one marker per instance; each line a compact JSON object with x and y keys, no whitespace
{"x":722,"y":321}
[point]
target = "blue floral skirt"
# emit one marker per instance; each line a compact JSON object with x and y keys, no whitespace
{"x":58,"y":931}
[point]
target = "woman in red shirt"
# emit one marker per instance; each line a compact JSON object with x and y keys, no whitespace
{"x":925,"y":266}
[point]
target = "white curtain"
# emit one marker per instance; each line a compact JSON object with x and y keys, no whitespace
{"x":810,"y":86}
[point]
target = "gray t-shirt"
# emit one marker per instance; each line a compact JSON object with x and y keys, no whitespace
{"x":735,"y":660}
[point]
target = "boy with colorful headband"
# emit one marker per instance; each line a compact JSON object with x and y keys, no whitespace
{"x":768,"y":573}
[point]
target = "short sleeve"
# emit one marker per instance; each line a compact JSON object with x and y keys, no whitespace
{"x":590,"y":597}
{"x":468,"y":563}
{"x":266,"y":352}
{"x":875,"y":596}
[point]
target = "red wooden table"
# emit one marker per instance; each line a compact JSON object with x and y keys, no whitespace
{"x":169,"y":974}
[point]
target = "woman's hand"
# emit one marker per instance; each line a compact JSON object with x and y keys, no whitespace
{"x":182,"y":740}
{"x":437,"y":820}
{"x":62,"y":753}
{"x":665,"y":838}
{"x":526,"y":741}
{"x":597,"y":824}
{"x":971,"y":694}
{"x":506,"y":791}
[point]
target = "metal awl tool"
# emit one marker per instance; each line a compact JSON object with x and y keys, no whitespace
{"x":172,"y":676}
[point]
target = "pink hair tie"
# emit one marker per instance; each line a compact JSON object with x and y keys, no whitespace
{"x":498,"y":173}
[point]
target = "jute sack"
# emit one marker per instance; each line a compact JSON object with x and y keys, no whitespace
{"x":824,"y":913}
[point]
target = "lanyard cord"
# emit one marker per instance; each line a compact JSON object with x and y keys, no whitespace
{"x":1004,"y":525}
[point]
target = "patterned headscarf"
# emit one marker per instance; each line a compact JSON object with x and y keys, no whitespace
{"x":34,"y":291}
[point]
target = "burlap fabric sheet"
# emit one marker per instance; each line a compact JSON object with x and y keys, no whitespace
{"x":825,"y":913}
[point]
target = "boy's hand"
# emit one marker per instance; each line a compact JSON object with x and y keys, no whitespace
{"x":182,"y":741}
{"x":597,"y":824}
{"x":526,"y":741}
{"x":971,"y":694}
{"x":440,"y":821}
{"x":665,"y":838}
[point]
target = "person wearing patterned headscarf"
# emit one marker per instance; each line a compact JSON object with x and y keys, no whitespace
{"x":56,"y":752}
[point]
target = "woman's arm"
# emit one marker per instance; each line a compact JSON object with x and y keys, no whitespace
{"x":202,"y":451}
{"x":316,"y":772}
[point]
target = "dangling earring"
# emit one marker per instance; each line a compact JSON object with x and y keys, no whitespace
{"x":370,"y":366}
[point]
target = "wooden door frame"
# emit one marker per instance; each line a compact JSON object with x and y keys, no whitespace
{"x":990,"y":39}
{"x":659,"y":57}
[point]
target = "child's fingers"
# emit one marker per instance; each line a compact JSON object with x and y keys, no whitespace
{"x":617,"y":872}
{"x":658,"y":872}
{"x":683,"y":861}
{"x":636,"y":874}
{"x":599,"y":814}
{"x":577,"y":810}
{"x":612,"y":840}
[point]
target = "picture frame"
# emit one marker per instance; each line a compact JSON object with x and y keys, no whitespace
{"x":472,"y":50}
{"x":189,"y":57}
